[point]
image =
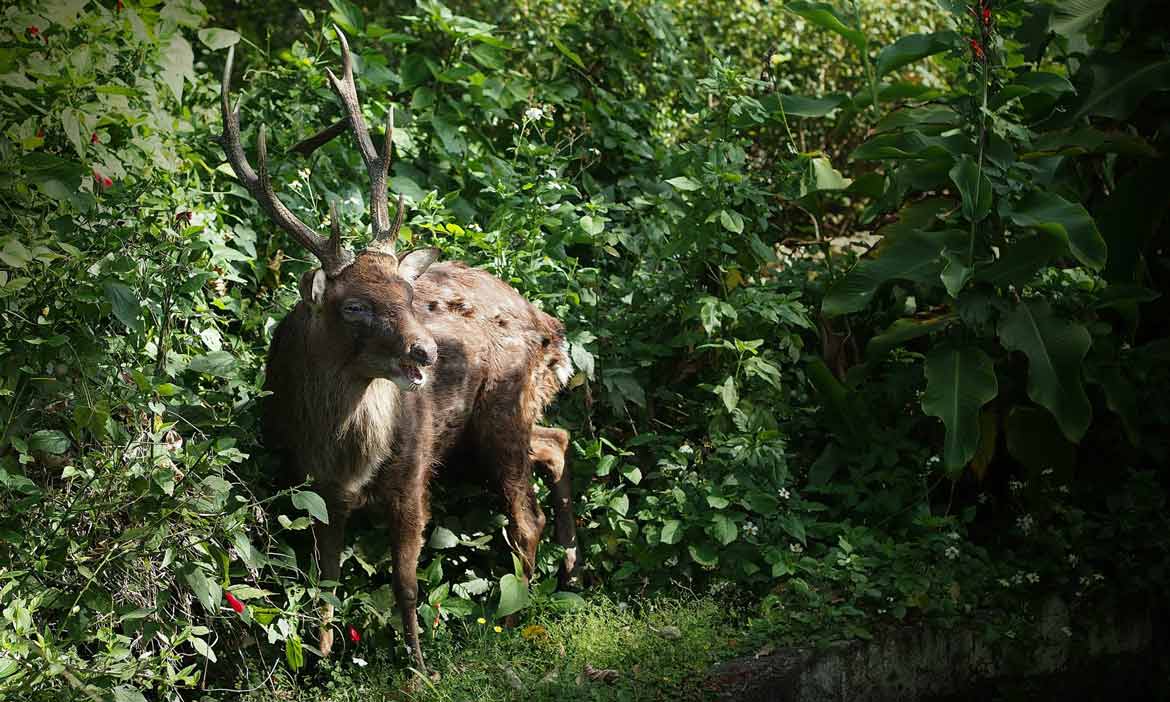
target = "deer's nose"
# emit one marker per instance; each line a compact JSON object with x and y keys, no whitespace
{"x":423,"y":353}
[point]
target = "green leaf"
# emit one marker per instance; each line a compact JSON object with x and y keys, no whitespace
{"x":202,"y":648}
{"x":1019,"y":262}
{"x":1117,"y":89}
{"x":913,"y":47}
{"x":959,"y":381}
{"x":704,"y":554}
{"x":723,"y":529}
{"x":728,"y":393}
{"x":1055,"y":349}
{"x":1068,"y":220}
{"x":907,"y":251}
{"x":620,"y":504}
{"x":348,"y":16}
{"x":671,"y":532}
{"x":218,"y":363}
{"x":49,"y":441}
{"x":825,"y":16}
{"x":592,"y":225}
{"x":903,"y":330}
{"x":1034,"y":439}
{"x":127,"y":694}
{"x":178,"y":64}
{"x":684,"y":183}
{"x":974,"y":186}
{"x":820,"y":176}
{"x":71,"y":121}
{"x":1075,"y":16}
{"x":513,"y":595}
{"x":216,"y":38}
{"x":567,"y":601}
{"x":294,"y":652}
{"x":835,"y":398}
{"x":799,"y":106}
{"x":731,"y":221}
{"x":442,"y":538}
{"x":206,"y":590}
{"x":312,"y":503}
{"x":15,"y":254}
{"x":125,"y":304}
{"x":569,"y":53}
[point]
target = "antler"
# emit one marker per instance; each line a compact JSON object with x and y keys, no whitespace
{"x":377,"y":164}
{"x":333,"y":256}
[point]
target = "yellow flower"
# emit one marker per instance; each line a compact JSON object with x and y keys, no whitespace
{"x":481,"y":620}
{"x":499,"y":629}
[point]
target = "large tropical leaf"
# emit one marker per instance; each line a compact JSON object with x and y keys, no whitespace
{"x":1075,"y":16}
{"x":1068,"y":220}
{"x":908,"y":251}
{"x":825,"y":16}
{"x":1055,"y":348}
{"x":959,"y":381}
{"x":913,"y":47}
{"x":1115,"y":90}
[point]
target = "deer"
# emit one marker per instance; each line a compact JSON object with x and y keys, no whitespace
{"x":392,"y":364}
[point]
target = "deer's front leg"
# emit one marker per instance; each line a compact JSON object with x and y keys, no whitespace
{"x":408,"y":517}
{"x":328,"y":541}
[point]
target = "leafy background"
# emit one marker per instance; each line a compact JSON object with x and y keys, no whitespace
{"x":865,"y":301}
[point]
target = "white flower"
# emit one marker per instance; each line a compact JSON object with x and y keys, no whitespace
{"x":952,"y":552}
{"x":750,"y":529}
{"x":1016,"y":485}
{"x":783,"y":493}
{"x":1047,"y":471}
{"x":1066,"y":631}
{"x":359,"y":662}
{"x":686,"y":448}
{"x":796,"y":548}
{"x":554,"y":185}
{"x":933,"y":460}
{"x":953,"y":536}
{"x":1073,"y":559}
{"x":671,"y":562}
{"x":1025,"y":523}
{"x":1033,"y":578}
{"x":533,"y":114}
{"x":303,"y":174}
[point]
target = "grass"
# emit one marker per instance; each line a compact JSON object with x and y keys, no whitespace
{"x":659,"y":649}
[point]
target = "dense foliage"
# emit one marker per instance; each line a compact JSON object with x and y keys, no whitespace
{"x":971,"y":410}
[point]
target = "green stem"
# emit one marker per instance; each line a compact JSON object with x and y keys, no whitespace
{"x":979,"y":163}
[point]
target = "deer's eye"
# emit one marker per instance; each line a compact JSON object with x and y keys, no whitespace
{"x":355,"y":310}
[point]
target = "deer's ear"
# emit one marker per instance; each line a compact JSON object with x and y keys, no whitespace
{"x":412,"y":264}
{"x":313,"y":287}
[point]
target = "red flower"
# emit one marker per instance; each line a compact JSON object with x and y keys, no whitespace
{"x":103,"y":180}
{"x":33,"y":30}
{"x":977,"y":49}
{"x":93,"y":138}
{"x":119,"y":6}
{"x":354,"y":635}
{"x":234,"y":603}
{"x":987,"y":16}
{"x":183,"y":217}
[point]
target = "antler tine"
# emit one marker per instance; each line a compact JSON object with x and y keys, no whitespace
{"x":332,"y":256}
{"x":377,"y":165}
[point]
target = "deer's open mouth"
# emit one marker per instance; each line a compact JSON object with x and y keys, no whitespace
{"x":410,"y":375}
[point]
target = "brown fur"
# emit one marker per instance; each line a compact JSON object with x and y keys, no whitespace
{"x":494,"y":361}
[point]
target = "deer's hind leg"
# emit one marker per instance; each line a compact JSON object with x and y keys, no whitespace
{"x":503,"y":447}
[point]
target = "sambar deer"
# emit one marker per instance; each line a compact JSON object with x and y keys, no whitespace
{"x":391,"y":363}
